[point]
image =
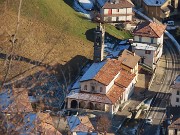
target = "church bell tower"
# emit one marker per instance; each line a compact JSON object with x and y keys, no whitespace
{"x":99,"y":43}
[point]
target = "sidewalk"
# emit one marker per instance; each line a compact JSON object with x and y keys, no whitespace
{"x":159,"y":75}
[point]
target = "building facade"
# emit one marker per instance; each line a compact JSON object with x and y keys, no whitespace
{"x":148,"y":42}
{"x":160,"y":9}
{"x":175,"y":95}
{"x":174,"y":128}
{"x":117,"y":11}
{"x":103,"y":87}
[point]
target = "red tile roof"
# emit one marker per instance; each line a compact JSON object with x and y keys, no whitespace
{"x":124,"y":79}
{"x":107,"y":73}
{"x":129,"y":59}
{"x":44,"y":124}
{"x":84,"y":126}
{"x":20,"y":101}
{"x":118,"y":5}
{"x":114,"y":93}
{"x":149,"y":29}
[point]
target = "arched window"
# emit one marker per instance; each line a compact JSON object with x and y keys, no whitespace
{"x":92,"y":88}
{"x":101,"y":89}
{"x":85,"y":87}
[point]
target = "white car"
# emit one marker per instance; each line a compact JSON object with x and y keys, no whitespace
{"x":148,"y":121}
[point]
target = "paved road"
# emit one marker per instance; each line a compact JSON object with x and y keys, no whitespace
{"x":161,"y":89}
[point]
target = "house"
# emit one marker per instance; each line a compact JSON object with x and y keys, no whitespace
{"x":130,"y":62}
{"x":160,"y":9}
{"x":79,"y":125}
{"x":18,"y":115}
{"x":174,"y":128}
{"x":175,"y":96}
{"x":148,"y":42}
{"x":103,"y":87}
{"x":117,"y":11}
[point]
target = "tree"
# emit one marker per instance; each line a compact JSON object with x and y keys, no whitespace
{"x":103,"y":124}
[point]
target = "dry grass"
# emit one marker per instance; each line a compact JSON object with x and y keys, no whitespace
{"x":50,"y":31}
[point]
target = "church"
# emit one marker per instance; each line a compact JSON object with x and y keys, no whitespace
{"x":108,"y":82}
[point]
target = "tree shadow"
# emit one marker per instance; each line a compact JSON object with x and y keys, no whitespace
{"x":90,"y":34}
{"x":69,"y":2}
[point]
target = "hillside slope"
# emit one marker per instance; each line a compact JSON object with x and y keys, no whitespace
{"x":50,"y":32}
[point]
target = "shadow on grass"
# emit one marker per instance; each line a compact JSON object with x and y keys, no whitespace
{"x":90,"y":34}
{"x":69,"y":2}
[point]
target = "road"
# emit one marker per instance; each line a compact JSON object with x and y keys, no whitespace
{"x":161,"y":90}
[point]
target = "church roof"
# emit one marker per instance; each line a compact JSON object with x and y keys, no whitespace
{"x":103,"y":72}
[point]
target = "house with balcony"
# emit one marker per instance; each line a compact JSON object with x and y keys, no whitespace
{"x":175,"y":95}
{"x":148,"y":42}
{"x":117,"y":11}
{"x":160,"y":9}
{"x":103,"y":87}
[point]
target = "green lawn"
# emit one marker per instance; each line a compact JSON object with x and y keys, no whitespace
{"x":61,"y":15}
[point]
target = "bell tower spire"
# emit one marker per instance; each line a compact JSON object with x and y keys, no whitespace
{"x":99,"y":43}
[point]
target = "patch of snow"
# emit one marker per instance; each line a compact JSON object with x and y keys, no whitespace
{"x":92,"y":71}
{"x":113,"y":54}
{"x":73,"y":121}
{"x":5,"y":99}
{"x":78,"y":8}
{"x":28,"y":121}
{"x":76,"y":85}
{"x":154,"y":2}
{"x":110,"y":45}
{"x":86,"y":4}
{"x":121,"y":47}
{"x":123,"y":42}
{"x":144,"y":46}
{"x":107,"y":50}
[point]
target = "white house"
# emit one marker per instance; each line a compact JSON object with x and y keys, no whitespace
{"x":103,"y":87}
{"x":175,"y":95}
{"x":116,"y":11}
{"x":148,"y":42}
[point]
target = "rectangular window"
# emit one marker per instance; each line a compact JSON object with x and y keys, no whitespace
{"x":147,"y":52}
{"x":140,"y":39}
{"x":152,"y":40}
{"x":177,"y":92}
{"x":117,"y":10}
{"x":177,"y":99}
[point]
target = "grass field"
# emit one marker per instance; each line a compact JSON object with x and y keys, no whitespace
{"x":50,"y":30}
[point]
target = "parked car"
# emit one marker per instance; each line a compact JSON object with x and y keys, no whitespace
{"x":169,"y":23}
{"x":149,"y":121}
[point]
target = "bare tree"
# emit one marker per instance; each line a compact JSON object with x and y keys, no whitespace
{"x":103,"y":124}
